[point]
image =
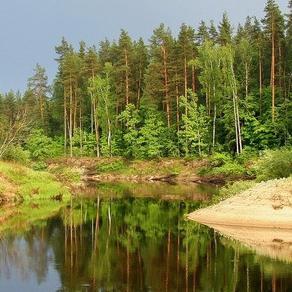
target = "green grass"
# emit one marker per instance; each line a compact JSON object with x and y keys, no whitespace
{"x":32,"y":185}
{"x":36,"y":191}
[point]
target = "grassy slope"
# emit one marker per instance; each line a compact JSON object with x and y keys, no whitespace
{"x":34,"y":189}
{"x":29,"y":185}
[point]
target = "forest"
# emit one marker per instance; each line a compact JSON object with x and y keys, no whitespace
{"x":151,"y":164}
{"x":213,"y":88}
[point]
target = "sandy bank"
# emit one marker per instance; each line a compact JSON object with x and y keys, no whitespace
{"x":268,"y":205}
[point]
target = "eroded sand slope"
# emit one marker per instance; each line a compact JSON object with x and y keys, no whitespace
{"x":268,"y":204}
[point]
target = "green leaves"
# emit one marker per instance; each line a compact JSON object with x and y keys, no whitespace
{"x":145,"y":133}
{"x":194,"y":132}
{"x":41,"y":147}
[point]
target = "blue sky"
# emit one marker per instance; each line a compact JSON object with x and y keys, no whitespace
{"x":30,"y":29}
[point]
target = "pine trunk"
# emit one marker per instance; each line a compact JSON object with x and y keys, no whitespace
{"x":65,"y":122}
{"x":127,"y":77}
{"x":214,"y":125}
{"x":177,"y":102}
{"x":185,"y":76}
{"x":273,"y":72}
{"x":139,"y":89}
{"x":260,"y":80}
{"x":71,"y":118}
{"x":166,"y":85}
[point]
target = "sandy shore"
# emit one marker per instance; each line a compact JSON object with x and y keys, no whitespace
{"x":268,"y":205}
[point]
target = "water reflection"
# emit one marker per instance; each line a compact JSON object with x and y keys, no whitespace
{"x":130,"y":243}
{"x":274,"y":243}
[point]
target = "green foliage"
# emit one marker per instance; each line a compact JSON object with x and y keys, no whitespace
{"x":32,"y":185}
{"x":145,"y":133}
{"x":220,"y":159}
{"x":152,"y":136}
{"x":39,"y":166}
{"x":274,"y":164}
{"x":232,"y":169}
{"x":194,"y":132}
{"x":17,"y":154}
{"x":131,"y":119}
{"x":41,"y":146}
{"x":83,"y":143}
{"x":185,"y":95}
{"x":222,"y":164}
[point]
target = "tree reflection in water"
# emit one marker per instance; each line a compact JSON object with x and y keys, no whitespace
{"x":127,"y":243}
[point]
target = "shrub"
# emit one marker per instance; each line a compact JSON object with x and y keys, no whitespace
{"x":230,"y":169}
{"x":16,"y":153}
{"x":220,"y":159}
{"x":274,"y":164}
{"x":39,"y":166}
{"x":41,"y":146}
{"x":88,"y":143}
{"x":223,"y":164}
{"x":247,"y":156}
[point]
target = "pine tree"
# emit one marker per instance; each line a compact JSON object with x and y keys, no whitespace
{"x":91,"y":69}
{"x":258,"y":39}
{"x":105,"y":53}
{"x":289,"y":49}
{"x":274,"y":26}
{"x":71,"y":68}
{"x":186,"y":53}
{"x":160,"y":68}
{"x":202,"y":34}
{"x":124,"y":54}
{"x":38,"y":86}
{"x":213,"y":32}
{"x":225,"y":30}
{"x":185,"y":76}
{"x":140,"y":64}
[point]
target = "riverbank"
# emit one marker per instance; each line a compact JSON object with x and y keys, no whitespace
{"x":19,"y":183}
{"x":268,"y":205}
{"x":27,"y":195}
{"x":117,"y":169}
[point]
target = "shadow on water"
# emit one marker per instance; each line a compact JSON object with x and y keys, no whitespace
{"x":125,"y":237}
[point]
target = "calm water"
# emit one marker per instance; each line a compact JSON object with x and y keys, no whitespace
{"x":133,"y":238}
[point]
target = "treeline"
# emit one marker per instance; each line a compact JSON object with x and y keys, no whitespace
{"x":206,"y":89}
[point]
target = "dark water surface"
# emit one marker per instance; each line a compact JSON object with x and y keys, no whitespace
{"x":127,"y":237}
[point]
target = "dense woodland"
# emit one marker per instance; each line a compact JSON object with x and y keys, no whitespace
{"x":207,"y":89}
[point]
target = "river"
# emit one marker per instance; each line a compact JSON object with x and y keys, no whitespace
{"x":133,"y":237}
